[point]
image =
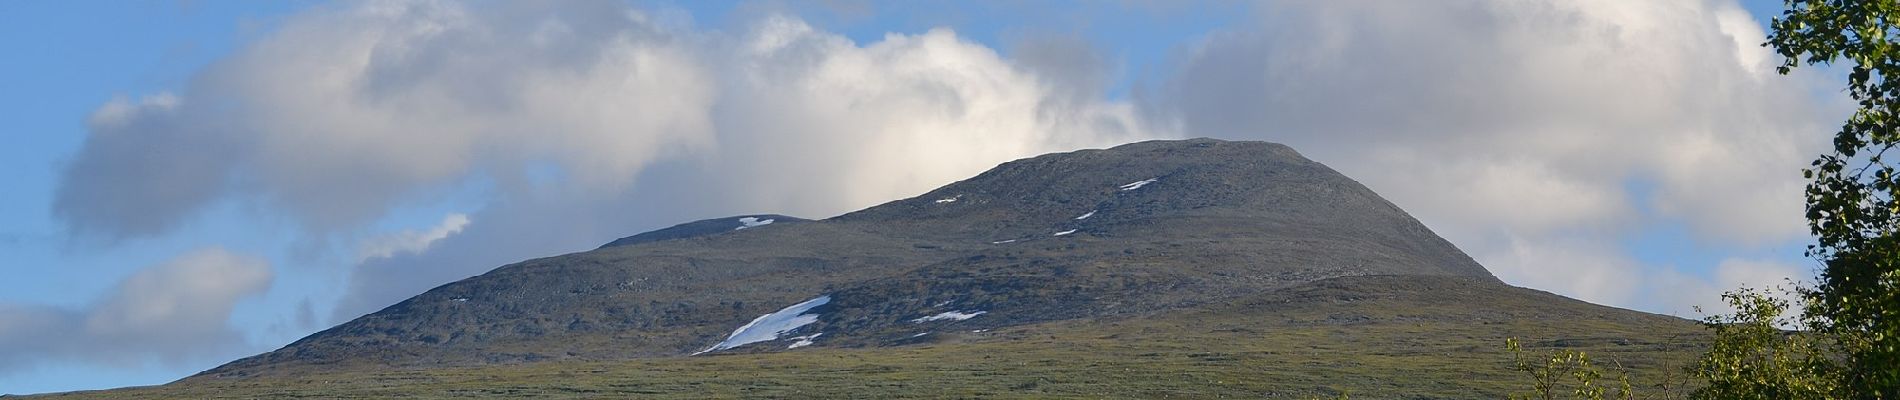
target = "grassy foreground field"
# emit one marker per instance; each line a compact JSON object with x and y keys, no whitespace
{"x":1376,"y":338}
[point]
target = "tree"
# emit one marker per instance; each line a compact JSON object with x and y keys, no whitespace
{"x":1751,"y":357}
{"x":1549,"y":372}
{"x":1852,"y":205}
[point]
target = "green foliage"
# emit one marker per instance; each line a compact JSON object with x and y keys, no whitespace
{"x":1851,"y":198}
{"x":1554,"y":371}
{"x":1751,"y":357}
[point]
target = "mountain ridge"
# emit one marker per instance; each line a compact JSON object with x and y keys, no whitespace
{"x":1196,"y":268}
{"x":1135,"y":228}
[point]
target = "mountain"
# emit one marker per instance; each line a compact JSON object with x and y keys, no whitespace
{"x":705,"y":227}
{"x":1140,"y":250}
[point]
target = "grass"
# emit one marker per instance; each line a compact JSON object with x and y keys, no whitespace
{"x":1378,"y":340}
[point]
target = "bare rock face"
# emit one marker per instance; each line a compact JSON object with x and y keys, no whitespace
{"x":1140,"y":228}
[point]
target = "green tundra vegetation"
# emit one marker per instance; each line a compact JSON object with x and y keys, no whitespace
{"x":1747,"y":356}
{"x":1373,"y":337}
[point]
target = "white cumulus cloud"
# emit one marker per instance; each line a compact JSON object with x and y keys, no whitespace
{"x":588,"y":121}
{"x":1536,"y":135}
{"x":411,"y":241}
{"x":172,"y":312}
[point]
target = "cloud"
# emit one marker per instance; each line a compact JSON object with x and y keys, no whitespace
{"x":1075,"y":68}
{"x":819,"y":125}
{"x":128,"y":181}
{"x":589,"y":120}
{"x":1698,"y":295}
{"x":173,"y":312}
{"x":1519,"y":129}
{"x":410,"y":241}
{"x":344,"y":111}
{"x":1579,"y":267}
{"x":1547,"y":109}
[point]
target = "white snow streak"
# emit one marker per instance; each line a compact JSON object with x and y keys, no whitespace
{"x":1065,"y":233}
{"x":950,"y":315}
{"x":1086,"y":216}
{"x":1138,"y":185}
{"x":1004,"y":241}
{"x":949,"y":199}
{"x":803,"y":341}
{"x":770,"y":326}
{"x":749,"y":222}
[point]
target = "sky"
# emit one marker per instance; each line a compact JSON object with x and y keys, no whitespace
{"x":196,"y":181}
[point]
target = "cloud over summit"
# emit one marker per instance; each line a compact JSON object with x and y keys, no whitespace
{"x":586,"y":121}
{"x":1527,"y":132}
{"x":345,"y":112}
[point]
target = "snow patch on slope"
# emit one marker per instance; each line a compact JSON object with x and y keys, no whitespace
{"x":1086,"y":216}
{"x":750,"y":222}
{"x":949,"y":199}
{"x":1138,"y":185}
{"x":769,"y":326}
{"x":949,"y":315}
{"x":802,"y":341}
{"x":1065,"y":233}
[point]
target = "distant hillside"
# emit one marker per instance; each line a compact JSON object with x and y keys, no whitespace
{"x":705,"y":227}
{"x":1217,"y":260}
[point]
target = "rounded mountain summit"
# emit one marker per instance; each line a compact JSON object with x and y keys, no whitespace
{"x":1137,"y":230}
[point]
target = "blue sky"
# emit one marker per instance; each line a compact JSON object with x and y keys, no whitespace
{"x":1573,"y":212}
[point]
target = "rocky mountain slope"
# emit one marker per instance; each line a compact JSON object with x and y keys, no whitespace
{"x":1132,"y":229}
{"x":1249,"y":235}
